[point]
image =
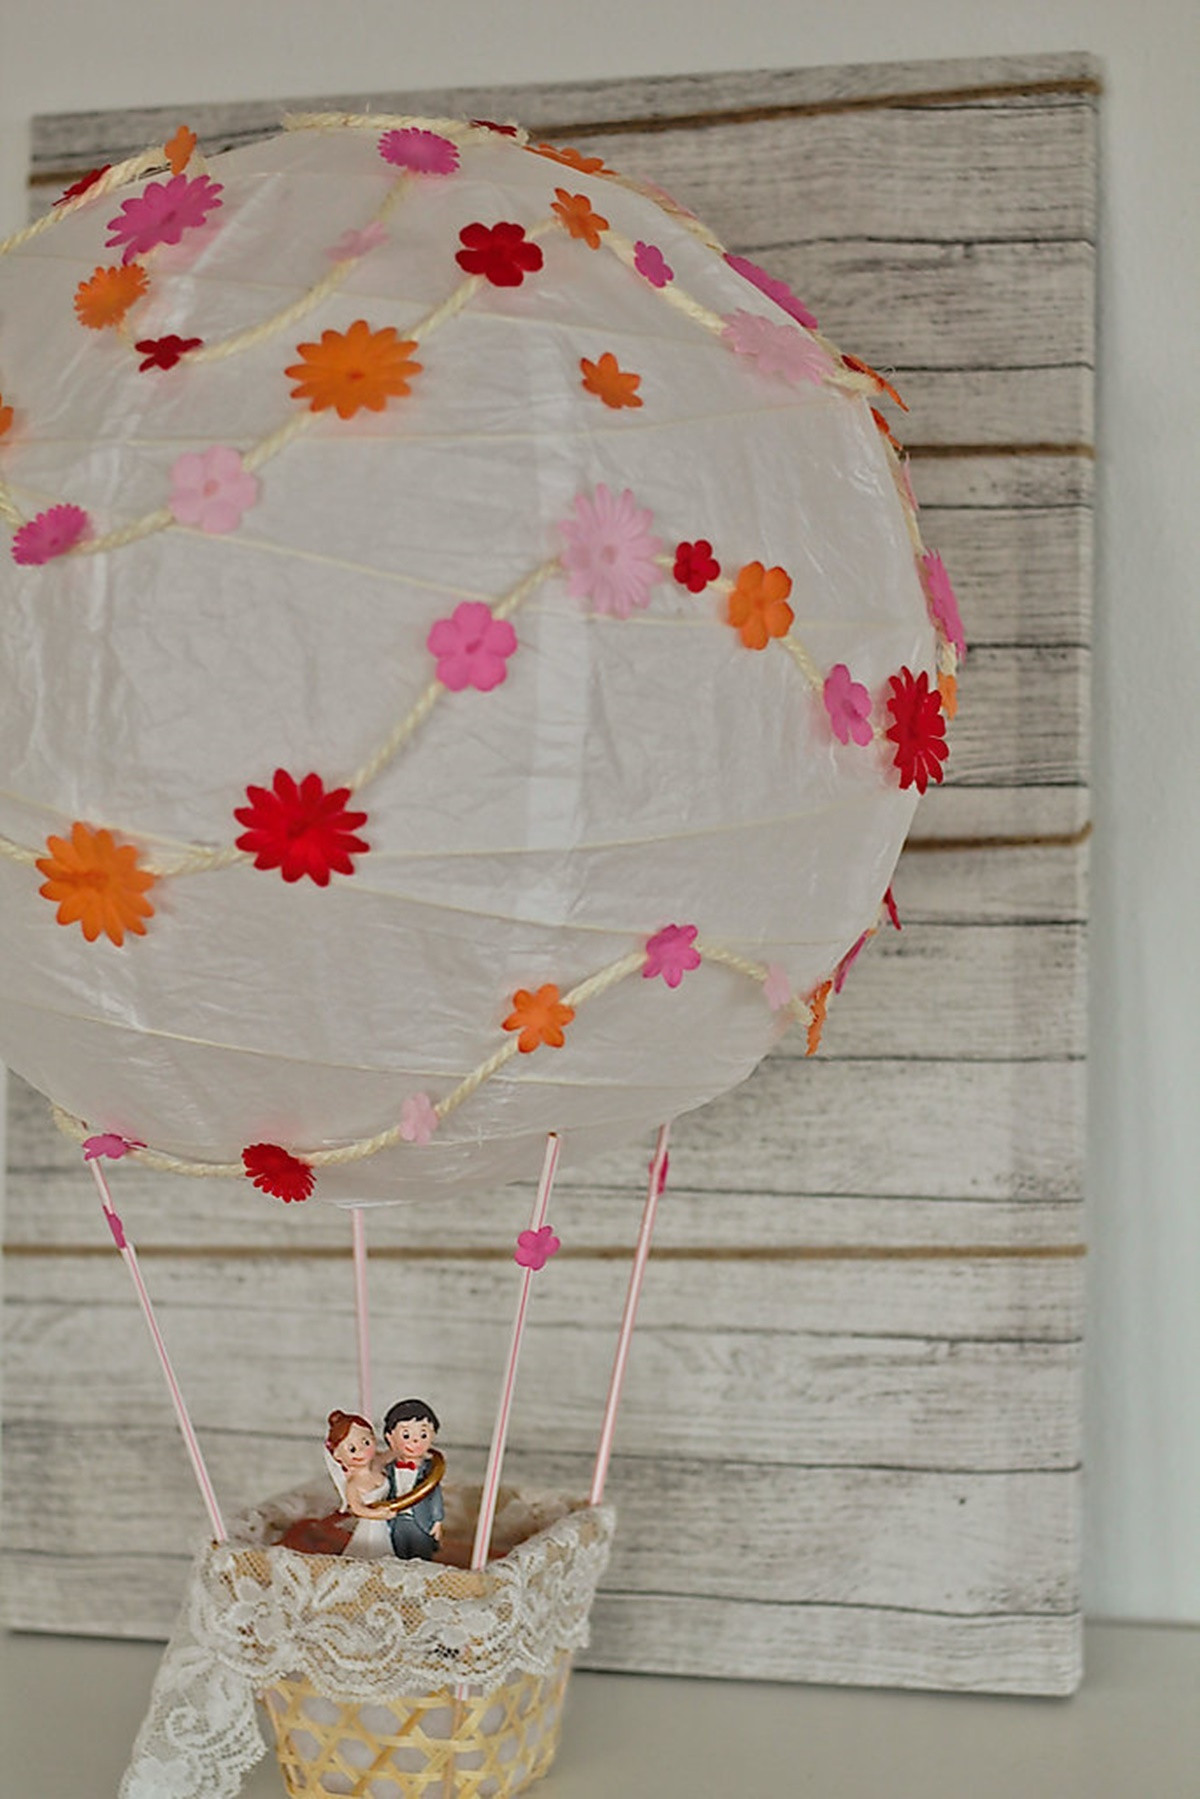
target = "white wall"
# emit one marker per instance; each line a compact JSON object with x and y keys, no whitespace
{"x":1144,"y":1393}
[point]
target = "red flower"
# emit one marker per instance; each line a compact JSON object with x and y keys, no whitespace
{"x":918,"y":729}
{"x":164,"y":352}
{"x":501,"y":253}
{"x":695,"y":565}
{"x":491,"y":125}
{"x":276,"y":1172}
{"x":81,"y":186}
{"x":301,"y":830}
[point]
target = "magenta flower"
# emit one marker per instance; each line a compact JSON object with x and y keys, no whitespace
{"x":354,"y":243}
{"x":162,"y":212}
{"x":776,"y":290}
{"x":849,"y":706}
{"x":50,"y":534}
{"x":777,"y":988}
{"x":534,"y":1248}
{"x":472,"y":647}
{"x":110,"y":1144}
{"x":777,"y":349}
{"x":671,"y":953}
{"x":651,"y":264}
{"x":611,"y":552}
{"x":847,"y":962}
{"x":211,"y":489}
{"x":418,"y":1118}
{"x":943,"y":603}
{"x":421,"y":152}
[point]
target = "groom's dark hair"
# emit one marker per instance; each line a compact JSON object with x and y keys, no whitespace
{"x":409,"y":1410}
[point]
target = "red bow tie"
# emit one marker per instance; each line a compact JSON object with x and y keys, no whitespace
{"x":406,"y":1464}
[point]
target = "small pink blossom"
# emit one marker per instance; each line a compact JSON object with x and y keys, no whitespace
{"x":472,"y":647}
{"x":50,"y":534}
{"x":943,"y":602}
{"x":847,"y":962}
{"x":671,"y":953}
{"x":110,"y":1144}
{"x":651,"y":264}
{"x":776,"y":290}
{"x":162,"y":212}
{"x":418,"y":1118}
{"x":777,"y":988}
{"x":534,"y":1248}
{"x":778,"y":350}
{"x":421,"y":152}
{"x":354,"y":243}
{"x":210,"y":489}
{"x":848,"y":704}
{"x":611,"y":552}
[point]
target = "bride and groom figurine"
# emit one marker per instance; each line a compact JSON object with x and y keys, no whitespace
{"x":396,"y":1503}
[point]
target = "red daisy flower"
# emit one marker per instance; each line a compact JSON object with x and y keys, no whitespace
{"x":301,"y":829}
{"x":275,"y":1171}
{"x":501,"y":253}
{"x":164,"y":352}
{"x":695,"y":565}
{"x":918,"y":729}
{"x":82,"y":185}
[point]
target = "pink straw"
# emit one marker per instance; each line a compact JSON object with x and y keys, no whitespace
{"x":358,"y":1231}
{"x":641,"y":1255}
{"x":129,"y":1257}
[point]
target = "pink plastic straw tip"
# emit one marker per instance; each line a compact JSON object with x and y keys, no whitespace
{"x":662,"y":1175}
{"x":108,"y":1143}
{"x":534,"y":1248}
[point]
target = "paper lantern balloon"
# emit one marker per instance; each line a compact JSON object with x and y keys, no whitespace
{"x":469,"y":659}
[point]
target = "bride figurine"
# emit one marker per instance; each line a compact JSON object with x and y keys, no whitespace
{"x":350,"y":1452}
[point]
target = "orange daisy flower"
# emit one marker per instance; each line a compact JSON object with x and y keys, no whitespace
{"x":6,"y":417}
{"x":948,"y":688}
{"x":609,"y":382}
{"x":817,"y":1003}
{"x":539,"y":1017}
{"x":758,"y":607}
{"x":352,"y":369}
{"x":571,"y":158}
{"x":575,"y":211}
{"x":178,"y":149}
{"x":96,"y":883}
{"x":106,"y":296}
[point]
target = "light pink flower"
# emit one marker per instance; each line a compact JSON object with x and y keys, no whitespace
{"x":848,"y":704}
{"x":534,"y":1248}
{"x":421,"y":152}
{"x":943,"y":603}
{"x":210,"y":489}
{"x":162,"y":212}
{"x":777,"y":349}
{"x":776,"y":290}
{"x":50,"y":534}
{"x":610,"y":552}
{"x":472,"y":647}
{"x":651,"y":264}
{"x":110,"y":1144}
{"x":357,"y":243}
{"x":670,"y":953}
{"x":777,"y":988}
{"x":418,"y":1118}
{"x":847,"y":962}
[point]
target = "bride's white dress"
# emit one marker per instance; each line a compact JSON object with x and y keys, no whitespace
{"x":372,"y":1537}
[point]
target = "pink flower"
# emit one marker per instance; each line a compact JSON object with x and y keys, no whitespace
{"x":211,"y":489}
{"x":421,"y":152}
{"x":418,"y":1118}
{"x":847,"y":962}
{"x":162,"y":212}
{"x":110,"y":1144}
{"x":610,"y":552}
{"x":889,"y":901}
{"x":776,"y":290}
{"x":50,"y":534}
{"x":651,"y":264}
{"x":534,"y":1248}
{"x":357,"y":243}
{"x":849,"y":706}
{"x":472,"y":647}
{"x":943,"y":603}
{"x":777,"y":349}
{"x":777,"y":988}
{"x":671,"y":953}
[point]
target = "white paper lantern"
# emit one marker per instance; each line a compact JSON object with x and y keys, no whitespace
{"x":377,"y":476}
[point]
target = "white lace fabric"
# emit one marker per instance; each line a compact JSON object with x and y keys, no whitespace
{"x":358,"y":1630}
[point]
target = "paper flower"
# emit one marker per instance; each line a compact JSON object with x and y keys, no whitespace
{"x":889,"y":904}
{"x":758,"y":608}
{"x":859,"y":367}
{"x":421,"y":152}
{"x":301,"y":829}
{"x":500,"y":130}
{"x":885,"y":431}
{"x":534,"y":1248}
{"x":848,"y":960}
{"x":277,"y":1172}
{"x":211,"y":489}
{"x":651,"y":264}
{"x":617,"y":387}
{"x":817,"y":1003}
{"x":575,"y":212}
{"x":106,"y":296}
{"x":848,"y":704}
{"x":777,"y":988}
{"x":540,"y":1018}
{"x":947,"y":687}
{"x":164,"y":352}
{"x":109,"y":1144}
{"x":695,"y":565}
{"x":776,"y":290}
{"x":82,"y":183}
{"x":6,"y":418}
{"x":49,"y":534}
{"x":571,"y":158}
{"x":178,"y":149}
{"x":418,"y":1118}
{"x":778,"y":350}
{"x":611,"y":552}
{"x":96,"y":884}
{"x":918,"y":729}
{"x":354,"y":243}
{"x":501,"y":253}
{"x":472,"y":647}
{"x":162,"y":212}
{"x":943,"y":603}
{"x":671,"y":953}
{"x":352,"y":369}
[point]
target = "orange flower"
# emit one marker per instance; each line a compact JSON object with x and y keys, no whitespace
{"x":178,"y":149}
{"x":106,"y":296}
{"x":352,"y":369}
{"x":6,"y":417}
{"x":758,"y":607}
{"x":885,"y":430}
{"x":816,"y":1016}
{"x":539,"y":1017}
{"x":610,"y":383}
{"x":97,"y":883}
{"x":881,"y":386}
{"x":948,"y":688}
{"x":573,"y":159}
{"x":575,"y":211}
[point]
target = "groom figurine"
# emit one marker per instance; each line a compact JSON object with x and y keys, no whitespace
{"x":409,"y":1430}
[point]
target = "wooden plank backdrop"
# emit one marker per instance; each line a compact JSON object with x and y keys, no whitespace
{"x":869,"y":1270}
